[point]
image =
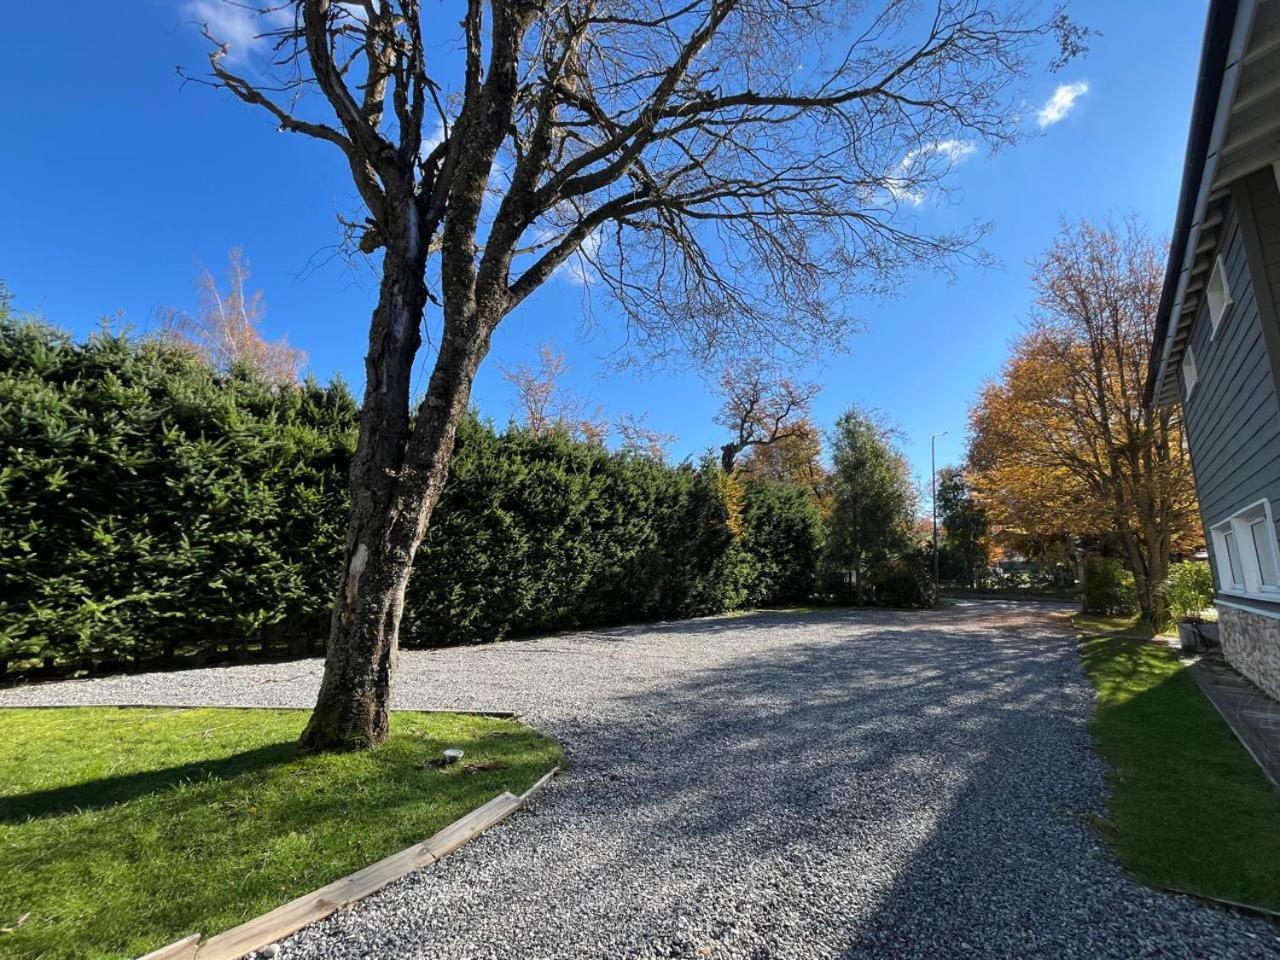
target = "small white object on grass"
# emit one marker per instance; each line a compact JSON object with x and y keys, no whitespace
{"x":452,"y":755}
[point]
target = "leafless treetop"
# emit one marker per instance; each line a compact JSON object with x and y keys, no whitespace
{"x":728,"y":170}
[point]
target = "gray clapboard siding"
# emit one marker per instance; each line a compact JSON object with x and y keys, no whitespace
{"x":1233,"y":415}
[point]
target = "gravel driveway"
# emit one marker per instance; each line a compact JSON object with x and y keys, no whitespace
{"x":870,"y":784}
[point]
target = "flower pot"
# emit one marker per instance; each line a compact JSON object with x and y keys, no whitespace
{"x":1189,"y":637}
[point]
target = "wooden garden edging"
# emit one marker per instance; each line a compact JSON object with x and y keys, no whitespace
{"x":282,"y":921}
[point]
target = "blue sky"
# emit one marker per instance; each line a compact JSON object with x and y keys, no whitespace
{"x":119,"y":185}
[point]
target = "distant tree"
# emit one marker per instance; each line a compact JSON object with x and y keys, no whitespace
{"x":761,"y":410}
{"x":795,"y":459}
{"x":1063,"y":444}
{"x":636,"y":435}
{"x":725,"y":173}
{"x":226,"y":328}
{"x":965,"y":527}
{"x":546,"y":403}
{"x":874,"y":498}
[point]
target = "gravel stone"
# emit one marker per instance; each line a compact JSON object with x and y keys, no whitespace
{"x":816,"y":785}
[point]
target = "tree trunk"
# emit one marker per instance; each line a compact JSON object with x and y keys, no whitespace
{"x":1149,"y":567}
{"x":396,"y":480}
{"x":729,"y":455}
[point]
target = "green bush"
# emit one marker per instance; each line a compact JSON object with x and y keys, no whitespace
{"x":782,"y":534}
{"x":1108,"y":588}
{"x":904,"y":580}
{"x":152,"y":509}
{"x":1188,"y":590}
{"x":539,"y":532}
{"x":149,"y":508}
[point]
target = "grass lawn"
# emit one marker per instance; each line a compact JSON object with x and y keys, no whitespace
{"x":1189,"y":808}
{"x":124,"y":829}
{"x":1096,"y":625}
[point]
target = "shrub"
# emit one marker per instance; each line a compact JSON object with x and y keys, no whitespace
{"x":151,"y":508}
{"x":1188,"y":589}
{"x":539,"y":531}
{"x":1108,"y":588}
{"x":904,"y":580}
{"x":782,"y":534}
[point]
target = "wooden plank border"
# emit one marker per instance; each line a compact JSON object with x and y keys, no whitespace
{"x":296,"y":914}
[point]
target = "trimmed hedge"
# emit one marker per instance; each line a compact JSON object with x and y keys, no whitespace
{"x":540,"y":532}
{"x":151,"y":510}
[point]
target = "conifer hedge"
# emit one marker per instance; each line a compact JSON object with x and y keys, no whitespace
{"x":153,"y":510}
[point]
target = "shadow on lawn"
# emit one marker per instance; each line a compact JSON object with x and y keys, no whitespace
{"x":109,"y":791}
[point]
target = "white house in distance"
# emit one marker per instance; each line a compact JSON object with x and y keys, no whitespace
{"x":1217,"y":340}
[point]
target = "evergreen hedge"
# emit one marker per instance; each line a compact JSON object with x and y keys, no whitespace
{"x":151,"y":509}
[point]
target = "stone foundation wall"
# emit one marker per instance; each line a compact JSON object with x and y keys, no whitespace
{"x":1251,"y":644}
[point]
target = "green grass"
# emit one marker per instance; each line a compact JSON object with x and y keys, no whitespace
{"x":125,"y":829}
{"x":1096,"y":625}
{"x":1189,"y":808}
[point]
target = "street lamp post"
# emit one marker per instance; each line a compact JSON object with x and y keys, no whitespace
{"x":933,"y":498}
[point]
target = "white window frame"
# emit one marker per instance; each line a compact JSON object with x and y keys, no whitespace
{"x":1190,"y":372}
{"x":1217,"y":294}
{"x":1249,"y":580}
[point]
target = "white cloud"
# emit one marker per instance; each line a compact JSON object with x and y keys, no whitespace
{"x":954,"y":151}
{"x":578,"y":269}
{"x":239,"y":26}
{"x":901,"y":183}
{"x":1060,"y":104}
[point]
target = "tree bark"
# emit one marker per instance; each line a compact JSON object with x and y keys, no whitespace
{"x":397,"y":476}
{"x":729,"y":455}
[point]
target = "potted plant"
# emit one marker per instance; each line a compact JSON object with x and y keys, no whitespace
{"x":1188,"y":590}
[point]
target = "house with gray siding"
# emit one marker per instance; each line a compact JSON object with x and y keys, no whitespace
{"x":1217,"y":341}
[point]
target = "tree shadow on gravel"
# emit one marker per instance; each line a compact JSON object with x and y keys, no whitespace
{"x":809,"y":724}
{"x":949,"y":774}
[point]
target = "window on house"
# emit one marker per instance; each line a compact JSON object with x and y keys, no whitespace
{"x":1190,"y":375}
{"x":1262,"y":535}
{"x":1232,"y":575}
{"x":1218,"y":294}
{"x":1247,"y":552}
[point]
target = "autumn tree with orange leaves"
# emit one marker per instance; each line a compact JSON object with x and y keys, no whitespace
{"x":795,"y":459}
{"x":1062,"y":444}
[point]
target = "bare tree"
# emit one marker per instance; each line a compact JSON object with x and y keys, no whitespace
{"x":727,"y":169}
{"x":760,"y":410}
{"x":226,"y":328}
{"x":545,"y":403}
{"x":637,"y":435}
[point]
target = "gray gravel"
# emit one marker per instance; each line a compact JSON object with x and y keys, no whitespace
{"x":874,"y":784}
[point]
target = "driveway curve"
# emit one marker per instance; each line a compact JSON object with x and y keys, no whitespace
{"x":811,"y":785}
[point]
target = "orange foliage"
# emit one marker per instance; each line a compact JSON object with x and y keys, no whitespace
{"x":226,"y":328}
